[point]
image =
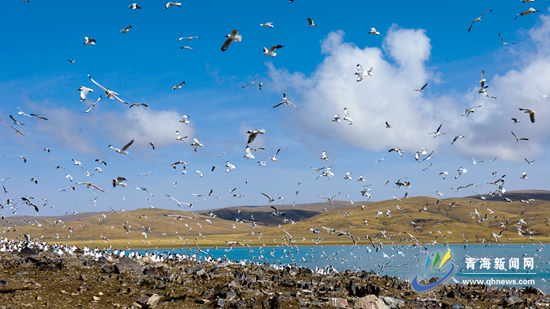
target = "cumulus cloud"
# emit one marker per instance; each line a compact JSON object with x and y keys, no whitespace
{"x":399,"y":68}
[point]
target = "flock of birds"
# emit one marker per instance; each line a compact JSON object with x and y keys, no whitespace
{"x":253,"y":134}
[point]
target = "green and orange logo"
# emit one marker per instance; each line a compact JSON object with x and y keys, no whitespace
{"x":421,"y":288}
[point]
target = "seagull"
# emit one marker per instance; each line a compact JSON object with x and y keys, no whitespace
{"x":196,"y":143}
{"x":477,"y":19}
{"x":89,"y":41}
{"x":189,"y":38}
{"x":188,"y":47}
{"x":399,"y":151}
{"x":524,"y":176}
{"x":271,"y":199}
{"x":529,"y":11}
{"x":125,"y":30}
{"x":123,"y":149}
{"x":336,"y":118}
{"x":530,"y":112}
{"x":276,"y":211}
{"x":234,"y":36}
{"x":252,"y":82}
{"x":505,"y":43}
{"x":229,"y":166}
{"x":152,"y":145}
{"x":324,"y":156}
{"x":348,"y":177}
{"x":110,"y":94}
{"x":361,"y":73}
{"x":71,"y":61}
{"x":119,"y":181}
{"x":185,"y":119}
{"x":271,"y":52}
{"x":420,"y":152}
{"x":519,"y":139}
{"x":93,"y":104}
{"x":143,"y":189}
{"x":78,"y":163}
{"x":21,"y":113}
{"x":530,"y":162}
{"x":180,"y":138}
{"x":437,"y":133}
{"x":460,"y":172}
{"x":274,"y":158}
{"x":347,"y":117}
{"x":422,"y":89}
{"x":268,"y":25}
{"x":101,"y":161}
{"x":138,"y":104}
{"x":249,"y":154}
{"x":169,"y":4}
{"x":379,"y":160}
{"x":198,"y":172}
{"x":179,"y":162}
{"x":515,"y":120}
{"x":39,"y":117}
{"x":260,"y":86}
{"x":284,"y":100}
{"x":84,"y":92}
{"x":311,"y":23}
{"x":476,"y":162}
{"x":134,"y":6}
{"x":253,"y":133}
{"x":15,"y":122}
{"x":388,"y":126}
{"x":89,"y":185}
{"x":24,"y":159}
{"x":470,"y":110}
{"x":373,"y":31}
{"x":456,"y":138}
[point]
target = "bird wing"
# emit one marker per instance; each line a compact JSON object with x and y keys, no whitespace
{"x":360,"y":68}
{"x":424,"y":86}
{"x":275,"y":47}
{"x":472,"y":25}
{"x":127,"y":145}
{"x":279,"y":104}
{"x":501,"y":38}
{"x":269,"y":197}
{"x":93,"y":81}
{"x":515,"y":135}
{"x":310,"y":21}
{"x":15,"y":121}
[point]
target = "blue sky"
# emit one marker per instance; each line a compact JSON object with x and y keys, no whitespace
{"x":419,"y":43}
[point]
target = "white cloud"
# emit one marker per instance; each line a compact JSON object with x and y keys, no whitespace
{"x":399,"y":68}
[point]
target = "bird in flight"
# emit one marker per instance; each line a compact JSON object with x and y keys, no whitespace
{"x":178,"y":86}
{"x":84,"y":92}
{"x":437,"y":133}
{"x":134,"y":6}
{"x":530,"y":162}
{"x":399,"y":151}
{"x":519,"y":139}
{"x":284,"y":100}
{"x":311,"y":23}
{"x":125,"y":30}
{"x":253,"y":133}
{"x":267,"y":25}
{"x":93,"y":104}
{"x":505,"y":43}
{"x":361,"y":73}
{"x":138,"y":104}
{"x":169,"y":4}
{"x":477,"y":19}
{"x":421,"y":90}
{"x":271,"y":52}
{"x":123,"y":149}
{"x":89,"y":41}
{"x":110,"y":94}
{"x":470,"y":110}
{"x":530,"y":112}
{"x":189,"y":38}
{"x":17,"y":131}
{"x":15,"y":122}
{"x":252,"y":82}
{"x":373,"y":31}
{"x":347,"y":117}
{"x":529,"y":11}
{"x":187,"y":47}
{"x":234,"y":36}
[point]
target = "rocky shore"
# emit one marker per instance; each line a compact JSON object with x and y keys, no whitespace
{"x":44,"y":279}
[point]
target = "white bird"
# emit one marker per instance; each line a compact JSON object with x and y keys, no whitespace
{"x":78,"y":163}
{"x":361,"y":73}
{"x":90,"y":185}
{"x":336,"y":118}
{"x":348,"y":177}
{"x":457,"y":138}
{"x":519,"y":139}
{"x":271,"y":199}
{"x":123,"y":149}
{"x":110,"y":94}
{"x":324,"y":156}
{"x":311,"y":23}
{"x":198,"y":172}
{"x":515,"y":120}
{"x":361,"y":178}
{"x":134,"y":6}
{"x":524,"y":175}
{"x":189,"y":38}
{"x":347,"y":117}
{"x":249,"y":154}
{"x":229,"y":166}
{"x":119,"y":181}
{"x":444,"y":174}
{"x":169,"y":4}
{"x":530,"y":162}
{"x":89,"y":41}
{"x":505,"y":43}
{"x":180,"y":138}
{"x":470,"y":110}
{"x":530,"y":112}
{"x":252,"y":82}
{"x":420,"y":152}
{"x":437,"y":132}
{"x":399,"y":151}
{"x":529,"y":11}
{"x":68,"y":176}
{"x":178,"y":86}
{"x":373,"y":31}
{"x":21,"y":113}
{"x":188,"y":47}
{"x":234,"y":36}
{"x":125,"y":30}
{"x":476,"y":162}
{"x":284,"y":100}
{"x":143,"y":189}
{"x":274,"y":158}
{"x":93,"y":104}
{"x":196,"y":143}
{"x":460,"y":172}
{"x":422,"y":89}
{"x":271,"y":52}
{"x":185,"y":119}
{"x":268,"y":25}
{"x":253,"y":133}
{"x":477,"y":19}
{"x":84,"y":92}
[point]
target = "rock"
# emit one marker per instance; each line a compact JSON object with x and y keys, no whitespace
{"x":38,"y":298}
{"x":514,"y":299}
{"x":3,"y":282}
{"x":338,"y":302}
{"x":276,"y":303}
{"x":392,"y":302}
{"x":240,"y":304}
{"x":220,"y":303}
{"x":25,"y":252}
{"x":370,"y":302}
{"x":352,"y":289}
{"x":457,"y":306}
{"x":126,"y":264}
{"x":95,"y":298}
{"x":149,"y":300}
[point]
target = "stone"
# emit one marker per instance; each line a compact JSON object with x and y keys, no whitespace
{"x":457,"y":306}
{"x":95,"y":298}
{"x":149,"y":300}
{"x":276,"y":303}
{"x":514,"y":299}
{"x":338,"y":302}
{"x":393,"y":302}
{"x":220,"y":303}
{"x":370,"y":302}
{"x":3,"y":282}
{"x":126,"y":264}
